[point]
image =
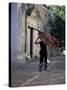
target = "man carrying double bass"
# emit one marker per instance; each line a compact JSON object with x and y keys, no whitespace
{"x":44,"y":39}
{"x":43,"y":54}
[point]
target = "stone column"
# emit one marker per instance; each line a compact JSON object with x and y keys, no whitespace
{"x":21,"y":32}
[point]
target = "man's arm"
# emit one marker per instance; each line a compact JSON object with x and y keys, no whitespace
{"x":37,"y":42}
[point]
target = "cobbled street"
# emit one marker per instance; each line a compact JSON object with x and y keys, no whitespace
{"x":28,"y":74}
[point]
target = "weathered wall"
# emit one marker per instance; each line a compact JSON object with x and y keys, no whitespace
{"x":21,"y":32}
{"x":32,"y":21}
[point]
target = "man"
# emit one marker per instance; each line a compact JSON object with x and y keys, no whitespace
{"x":43,"y":54}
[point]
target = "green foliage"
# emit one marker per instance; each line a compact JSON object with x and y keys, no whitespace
{"x":58,"y":10}
{"x":58,"y":25}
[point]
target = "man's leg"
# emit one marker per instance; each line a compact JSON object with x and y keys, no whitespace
{"x":45,"y":62}
{"x":41,"y":63}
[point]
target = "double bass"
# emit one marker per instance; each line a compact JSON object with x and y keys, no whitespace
{"x":47,"y":39}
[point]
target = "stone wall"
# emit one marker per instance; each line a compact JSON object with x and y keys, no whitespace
{"x":21,"y":32}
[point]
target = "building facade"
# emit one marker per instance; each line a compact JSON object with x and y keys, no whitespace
{"x":38,"y":18}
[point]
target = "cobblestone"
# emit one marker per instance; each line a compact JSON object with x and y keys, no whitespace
{"x":27,"y":74}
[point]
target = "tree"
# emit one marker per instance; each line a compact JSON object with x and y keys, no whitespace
{"x":58,"y":25}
